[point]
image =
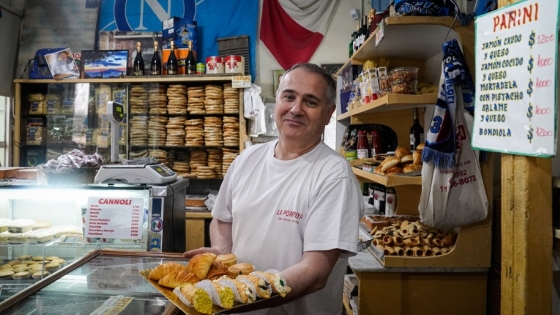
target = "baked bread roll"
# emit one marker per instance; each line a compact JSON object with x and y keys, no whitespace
{"x":411,"y":168}
{"x":400,"y":152}
{"x":217,"y":269}
{"x":164,"y":269}
{"x":227,"y":259}
{"x":178,"y":278}
{"x":242,"y":292}
{"x":417,"y":157}
{"x":200,"y":264}
{"x":420,"y":147}
{"x":276,"y":280}
{"x":407,"y":158}
{"x":194,"y":297}
{"x":389,"y":162}
{"x":221,"y":296}
{"x":262,"y":286}
{"x":394,"y":170}
{"x":241,"y":269}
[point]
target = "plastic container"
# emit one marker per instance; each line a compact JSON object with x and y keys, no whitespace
{"x":404,"y":87}
{"x":404,"y":74}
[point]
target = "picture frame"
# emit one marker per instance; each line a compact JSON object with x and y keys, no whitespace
{"x":62,"y":65}
{"x":276,"y":75}
{"x":104,"y":63}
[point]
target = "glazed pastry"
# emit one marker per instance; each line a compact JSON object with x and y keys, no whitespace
{"x":177,"y":278}
{"x":222,"y":296}
{"x":242,"y":292}
{"x":217,"y":269}
{"x":242,"y":269}
{"x":200,"y":264}
{"x":261,"y":286}
{"x":226,"y":259}
{"x":164,"y":269}
{"x":194,"y":297}
{"x":276,"y":280}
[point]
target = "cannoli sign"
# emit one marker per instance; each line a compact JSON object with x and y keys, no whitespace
{"x":516,"y":85}
{"x":110,"y":217}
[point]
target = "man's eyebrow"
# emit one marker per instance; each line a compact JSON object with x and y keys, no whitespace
{"x":308,"y":96}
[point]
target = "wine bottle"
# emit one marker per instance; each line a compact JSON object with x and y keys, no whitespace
{"x":138,"y":68}
{"x":155,"y":65}
{"x":390,"y":201}
{"x":172,"y":63}
{"x":191,"y":60}
{"x":416,"y":132}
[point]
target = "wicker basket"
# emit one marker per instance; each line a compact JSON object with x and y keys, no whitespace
{"x":76,"y":176}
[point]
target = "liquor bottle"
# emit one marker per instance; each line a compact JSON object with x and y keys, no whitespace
{"x":416,"y":132}
{"x":362,"y":146}
{"x":172,"y":63}
{"x":138,"y":68}
{"x":155,"y":65}
{"x":351,"y":45}
{"x":381,"y":199}
{"x":390,"y":201}
{"x":191,"y":60}
{"x":357,"y":37}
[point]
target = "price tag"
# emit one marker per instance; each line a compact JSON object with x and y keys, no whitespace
{"x":380,"y":33}
{"x":113,"y":217}
{"x":241,"y":81}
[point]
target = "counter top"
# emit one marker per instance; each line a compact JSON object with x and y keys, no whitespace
{"x":366,"y":262}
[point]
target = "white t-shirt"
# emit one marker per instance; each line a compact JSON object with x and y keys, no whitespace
{"x":279,"y":209}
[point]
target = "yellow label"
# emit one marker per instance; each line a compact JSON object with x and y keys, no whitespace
{"x":241,"y":81}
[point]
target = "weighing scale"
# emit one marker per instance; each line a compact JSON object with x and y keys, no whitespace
{"x":136,"y":171}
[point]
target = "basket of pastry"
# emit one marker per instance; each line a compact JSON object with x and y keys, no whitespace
{"x":407,"y":236}
{"x":210,"y":283}
{"x":403,"y":161}
{"x":72,"y":168}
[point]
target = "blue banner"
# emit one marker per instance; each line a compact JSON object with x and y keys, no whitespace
{"x":215,"y":19}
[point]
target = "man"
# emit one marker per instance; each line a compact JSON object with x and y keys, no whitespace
{"x":294,"y":204}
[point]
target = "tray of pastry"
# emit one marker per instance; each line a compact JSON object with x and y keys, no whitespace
{"x":226,"y":286}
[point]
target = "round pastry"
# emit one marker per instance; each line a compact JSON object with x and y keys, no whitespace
{"x":21,"y":275}
{"x":40,"y":274}
{"x":28,"y":262}
{"x":59,"y":261}
{"x":14,"y":262}
{"x":227,"y":259}
{"x":401,"y":151}
{"x":6,"y":266}
{"x":37,"y":258}
{"x":21,"y":269}
{"x":19,"y":266}
{"x":24,"y":257}
{"x":50,"y":258}
{"x":411,"y":168}
{"x":6,"y":273}
{"x":241,"y":268}
{"x":417,"y":157}
{"x":52,"y":267}
{"x":394,"y":170}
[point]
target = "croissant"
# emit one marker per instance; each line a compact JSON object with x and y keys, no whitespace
{"x":217,"y":269}
{"x":164,"y":269}
{"x":178,"y":278}
{"x":200,"y":264}
{"x":261,"y":286}
{"x":276,"y":280}
{"x":194,"y":297}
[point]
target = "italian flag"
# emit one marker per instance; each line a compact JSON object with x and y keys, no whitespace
{"x":292,"y":32}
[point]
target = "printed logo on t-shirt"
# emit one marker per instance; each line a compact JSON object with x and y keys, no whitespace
{"x":289,"y":215}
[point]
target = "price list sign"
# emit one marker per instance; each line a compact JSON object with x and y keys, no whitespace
{"x":110,"y":217}
{"x":516,"y":62}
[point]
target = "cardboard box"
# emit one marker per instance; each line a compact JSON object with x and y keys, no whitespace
{"x":181,"y":55}
{"x":180,"y":31}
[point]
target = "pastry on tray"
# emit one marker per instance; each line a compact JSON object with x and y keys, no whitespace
{"x":200,"y":264}
{"x":194,"y":297}
{"x":164,"y":269}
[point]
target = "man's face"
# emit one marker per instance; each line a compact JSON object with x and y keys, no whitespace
{"x":302,"y":110}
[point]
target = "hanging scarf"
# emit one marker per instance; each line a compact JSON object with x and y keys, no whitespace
{"x":456,"y":88}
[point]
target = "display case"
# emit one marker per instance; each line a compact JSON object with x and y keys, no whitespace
{"x":57,"y":224}
{"x":177,"y":119}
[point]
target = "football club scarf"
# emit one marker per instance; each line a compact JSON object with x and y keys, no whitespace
{"x":440,"y":140}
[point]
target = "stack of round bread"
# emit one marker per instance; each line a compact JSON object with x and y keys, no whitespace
{"x":195,"y":100}
{"x":194,"y":133}
{"x":228,"y":155}
{"x":160,"y":155}
{"x":175,"y":133}
{"x":156,"y":130}
{"x":218,"y":280}
{"x":157,"y":100}
{"x":215,"y":161}
{"x":177,"y":99}
{"x":182,"y":164}
{"x":214,"y":99}
{"x":403,"y":161}
{"x":138,"y":101}
{"x":213,"y":131}
{"x":231,"y":99}
{"x":198,"y":158}
{"x":139,"y":131}
{"x":231,"y":131}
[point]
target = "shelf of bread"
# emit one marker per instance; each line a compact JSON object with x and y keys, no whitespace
{"x":391,"y":102}
{"x":388,"y":180}
{"x":405,"y":37}
{"x":145,"y":79}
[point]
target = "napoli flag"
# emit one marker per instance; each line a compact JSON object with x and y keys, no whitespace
{"x":292,"y":33}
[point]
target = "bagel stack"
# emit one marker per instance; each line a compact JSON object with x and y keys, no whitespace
{"x":231,"y":99}
{"x":231,"y":131}
{"x":157,"y":100}
{"x":138,"y":100}
{"x":195,"y":100}
{"x":214,"y":99}
{"x":213,"y":135}
{"x":194,"y":132}
{"x":177,"y":99}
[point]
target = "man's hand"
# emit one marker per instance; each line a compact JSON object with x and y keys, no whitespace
{"x":202,"y":250}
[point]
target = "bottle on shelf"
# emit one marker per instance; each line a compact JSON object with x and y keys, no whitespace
{"x":138,"y":68}
{"x":376,"y":143}
{"x":172,"y":63}
{"x":379,"y":196}
{"x":390,"y":201}
{"x":416,"y":132}
{"x":155,"y":65}
{"x":372,"y":25}
{"x":351,"y":45}
{"x":357,"y":38}
{"x":362,"y":146}
{"x":191,"y":60}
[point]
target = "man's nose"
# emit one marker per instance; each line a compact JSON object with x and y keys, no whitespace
{"x":296,"y":108}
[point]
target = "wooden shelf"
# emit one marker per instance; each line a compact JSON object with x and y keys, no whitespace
{"x":391,"y":102}
{"x":143,"y":79}
{"x":388,"y":180}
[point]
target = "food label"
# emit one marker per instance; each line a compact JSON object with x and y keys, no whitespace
{"x":241,"y":81}
{"x":114,"y":217}
{"x":516,"y":64}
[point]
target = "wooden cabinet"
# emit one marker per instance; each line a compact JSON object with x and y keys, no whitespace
{"x":400,"y":281}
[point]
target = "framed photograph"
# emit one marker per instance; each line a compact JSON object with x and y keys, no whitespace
{"x":276,"y":75}
{"x":332,"y":69}
{"x":62,"y":65}
{"x":104,"y":63}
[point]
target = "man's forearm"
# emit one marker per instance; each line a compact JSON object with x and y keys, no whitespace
{"x":220,"y":236}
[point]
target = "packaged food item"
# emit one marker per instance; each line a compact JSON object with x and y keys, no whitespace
{"x":35,"y":131}
{"x":40,"y":236}
{"x":37,"y":105}
{"x":54,"y":104}
{"x":20,"y":226}
{"x":4,"y":224}
{"x":404,"y":74}
{"x":404,"y":87}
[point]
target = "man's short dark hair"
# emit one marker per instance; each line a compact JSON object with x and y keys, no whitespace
{"x":313,"y":68}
